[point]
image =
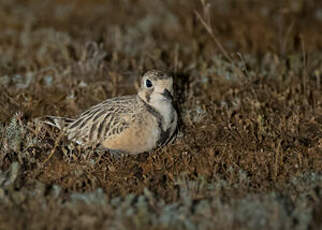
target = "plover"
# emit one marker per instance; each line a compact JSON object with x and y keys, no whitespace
{"x":128,"y":124}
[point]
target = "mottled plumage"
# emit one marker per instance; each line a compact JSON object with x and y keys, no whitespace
{"x":129,"y":124}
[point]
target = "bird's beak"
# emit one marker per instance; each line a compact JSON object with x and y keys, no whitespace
{"x":166,"y":93}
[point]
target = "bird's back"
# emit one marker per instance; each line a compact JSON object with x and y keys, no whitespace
{"x":99,"y":122}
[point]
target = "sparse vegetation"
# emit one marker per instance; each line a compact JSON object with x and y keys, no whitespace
{"x":249,"y":151}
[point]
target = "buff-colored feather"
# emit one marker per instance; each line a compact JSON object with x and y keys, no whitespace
{"x":131,"y":124}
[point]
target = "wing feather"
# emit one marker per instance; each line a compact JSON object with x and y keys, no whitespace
{"x":58,"y":122}
{"x":102,"y":121}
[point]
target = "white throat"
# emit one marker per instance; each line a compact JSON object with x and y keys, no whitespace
{"x":164,"y":107}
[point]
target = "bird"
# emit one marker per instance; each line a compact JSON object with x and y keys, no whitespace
{"x":128,"y":124}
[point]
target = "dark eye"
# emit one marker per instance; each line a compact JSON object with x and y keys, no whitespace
{"x":148,"y":83}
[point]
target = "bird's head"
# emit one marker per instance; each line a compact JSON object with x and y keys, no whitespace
{"x":156,"y":87}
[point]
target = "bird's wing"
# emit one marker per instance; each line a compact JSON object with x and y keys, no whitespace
{"x":58,"y":122}
{"x":102,"y":121}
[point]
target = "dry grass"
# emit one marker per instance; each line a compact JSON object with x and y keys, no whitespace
{"x":249,"y":150}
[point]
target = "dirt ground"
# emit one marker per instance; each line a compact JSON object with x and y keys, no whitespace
{"x":248,"y":89}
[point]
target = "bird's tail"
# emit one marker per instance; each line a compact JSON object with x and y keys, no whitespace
{"x":59,"y":122}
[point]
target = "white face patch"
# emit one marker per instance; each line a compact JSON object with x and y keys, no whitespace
{"x":157,"y":91}
{"x":164,"y":107}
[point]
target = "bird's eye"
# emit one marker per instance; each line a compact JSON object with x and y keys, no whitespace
{"x":148,"y":83}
